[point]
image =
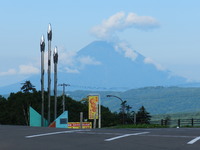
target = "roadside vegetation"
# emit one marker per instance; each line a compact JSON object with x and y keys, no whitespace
{"x":14,"y":110}
{"x":140,"y":126}
{"x":173,"y":116}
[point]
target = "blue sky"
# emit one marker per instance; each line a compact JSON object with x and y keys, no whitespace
{"x":169,"y":32}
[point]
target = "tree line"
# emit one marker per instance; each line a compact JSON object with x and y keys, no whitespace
{"x":14,"y":110}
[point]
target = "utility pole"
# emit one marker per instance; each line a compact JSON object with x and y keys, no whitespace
{"x":55,"y":59}
{"x":63,"y":102}
{"x":42,"y":48}
{"x":49,"y":35}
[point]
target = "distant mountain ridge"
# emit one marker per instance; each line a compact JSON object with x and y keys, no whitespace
{"x":157,"y":100}
{"x":105,"y":65}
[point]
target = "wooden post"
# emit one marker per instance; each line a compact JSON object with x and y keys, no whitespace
{"x":165,"y":122}
{"x":192,"y":120}
{"x":179,"y":123}
{"x":161,"y":122}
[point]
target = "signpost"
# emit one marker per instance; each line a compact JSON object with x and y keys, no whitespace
{"x":95,"y":108}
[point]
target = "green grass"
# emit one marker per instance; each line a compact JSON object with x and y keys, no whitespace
{"x":139,"y":126}
{"x":189,"y":115}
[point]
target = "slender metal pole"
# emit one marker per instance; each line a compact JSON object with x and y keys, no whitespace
{"x":55,"y":58}
{"x":123,"y":105}
{"x":42,"y":48}
{"x":95,"y":119}
{"x":49,"y":35}
{"x":123,"y":111}
{"x":99,"y":111}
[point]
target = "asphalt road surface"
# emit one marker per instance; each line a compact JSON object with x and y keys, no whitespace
{"x":36,"y":138}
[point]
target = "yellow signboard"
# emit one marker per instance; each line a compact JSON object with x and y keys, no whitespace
{"x":76,"y":125}
{"x":93,"y":106}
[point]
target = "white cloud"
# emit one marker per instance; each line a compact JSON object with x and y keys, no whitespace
{"x":22,"y":69}
{"x":128,"y":52}
{"x":28,"y":69}
{"x":67,"y":58}
{"x":73,"y":64}
{"x":69,"y":61}
{"x":141,"y":22}
{"x":120,"y":21}
{"x":87,"y":60}
{"x":70,"y":70}
{"x":9,"y":72}
{"x":150,"y":61}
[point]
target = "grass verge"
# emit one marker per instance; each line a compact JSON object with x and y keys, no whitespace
{"x":139,"y":126}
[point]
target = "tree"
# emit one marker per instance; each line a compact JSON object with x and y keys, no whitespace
{"x":143,"y":117}
{"x":15,"y":109}
{"x":128,"y":108}
{"x":3,"y":109}
{"x":27,"y":87}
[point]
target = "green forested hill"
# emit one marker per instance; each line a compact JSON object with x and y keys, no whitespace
{"x":157,"y":100}
{"x":161,"y":100}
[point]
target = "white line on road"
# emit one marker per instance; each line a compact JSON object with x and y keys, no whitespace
{"x":125,"y":135}
{"x":171,"y":136}
{"x":52,"y":133}
{"x":194,"y":140}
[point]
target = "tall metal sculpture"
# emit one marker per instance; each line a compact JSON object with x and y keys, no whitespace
{"x":55,"y":59}
{"x":42,"y":48}
{"x":49,"y":35}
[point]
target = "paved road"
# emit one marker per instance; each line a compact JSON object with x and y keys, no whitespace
{"x":30,"y":138}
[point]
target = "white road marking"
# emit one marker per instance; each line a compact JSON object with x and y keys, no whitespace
{"x":52,"y":133}
{"x":171,"y":136}
{"x":99,"y":133}
{"x":114,"y":138}
{"x":194,"y":140}
{"x":125,"y":135}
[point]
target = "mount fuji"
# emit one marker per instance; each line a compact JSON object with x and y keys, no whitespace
{"x":103,"y":65}
{"x":108,"y":65}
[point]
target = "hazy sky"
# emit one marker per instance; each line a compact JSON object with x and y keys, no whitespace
{"x":166,"y":31}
